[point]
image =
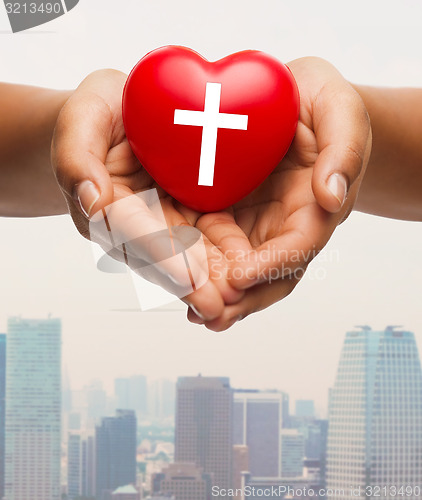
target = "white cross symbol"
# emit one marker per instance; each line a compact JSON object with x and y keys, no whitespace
{"x":210,"y":120}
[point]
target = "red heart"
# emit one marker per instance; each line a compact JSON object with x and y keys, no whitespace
{"x":209,"y":168}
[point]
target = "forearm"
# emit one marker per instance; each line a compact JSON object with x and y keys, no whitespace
{"x":392,"y":186}
{"x":28,"y":187}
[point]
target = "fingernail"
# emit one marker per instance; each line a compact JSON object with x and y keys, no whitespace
{"x":196,"y":320}
{"x":337,"y":185}
{"x":195,"y":310}
{"x":87,"y":194}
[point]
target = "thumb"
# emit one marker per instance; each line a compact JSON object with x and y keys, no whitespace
{"x":343,"y":134}
{"x":79,"y":150}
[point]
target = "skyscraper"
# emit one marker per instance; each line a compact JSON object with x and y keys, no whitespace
{"x":319,"y":448}
{"x":33,"y":409}
{"x":80,"y":466}
{"x":89,"y":483}
{"x":315,"y":434}
{"x":240,"y":466}
{"x":74,"y":466}
{"x":115,"y":451}
{"x":2,"y":408}
{"x":257,"y":423}
{"x":292,"y":453}
{"x":204,"y":426}
{"x":375,"y":416}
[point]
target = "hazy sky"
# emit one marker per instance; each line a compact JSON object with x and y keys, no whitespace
{"x":372,"y":268}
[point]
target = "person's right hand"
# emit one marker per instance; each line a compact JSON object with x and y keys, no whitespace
{"x":291,"y":216}
{"x":95,"y":167}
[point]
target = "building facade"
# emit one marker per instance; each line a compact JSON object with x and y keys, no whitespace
{"x":203,"y":434}
{"x":292,"y":453}
{"x":74,"y":466}
{"x":375,"y":416}
{"x":240,"y":467}
{"x":80,"y":466}
{"x":115,"y":452}
{"x":257,"y":424}
{"x":33,"y":410}
{"x":183,"y":482}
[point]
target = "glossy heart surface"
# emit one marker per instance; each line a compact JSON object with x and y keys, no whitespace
{"x":209,"y":133}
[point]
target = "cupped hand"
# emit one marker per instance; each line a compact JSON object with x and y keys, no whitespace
{"x":271,"y":236}
{"x":95,"y":168}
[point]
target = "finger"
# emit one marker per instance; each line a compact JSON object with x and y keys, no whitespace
{"x":343,"y":133}
{"x":256,"y":299}
{"x":223,"y":232}
{"x":135,"y":229}
{"x":206,"y":302}
{"x":87,"y":128}
{"x":80,"y":146}
{"x":227,"y":243}
{"x":302,"y":237}
{"x":217,"y":262}
{"x":135,"y":226}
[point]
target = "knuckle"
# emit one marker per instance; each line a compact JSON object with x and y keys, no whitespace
{"x":355,"y":153}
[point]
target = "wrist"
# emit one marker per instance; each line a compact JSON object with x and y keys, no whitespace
{"x":48,"y":105}
{"x":28,"y":187}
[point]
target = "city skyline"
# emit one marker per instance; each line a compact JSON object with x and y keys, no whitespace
{"x":216,"y":427}
{"x":321,"y":404}
{"x":292,"y":381}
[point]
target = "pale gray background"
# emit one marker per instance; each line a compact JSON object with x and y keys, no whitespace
{"x":47,"y":267}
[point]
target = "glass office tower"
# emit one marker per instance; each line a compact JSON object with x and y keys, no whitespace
{"x":258,"y":418}
{"x":204,"y":415}
{"x":115,"y":452}
{"x":375,"y":416}
{"x":33,"y":410}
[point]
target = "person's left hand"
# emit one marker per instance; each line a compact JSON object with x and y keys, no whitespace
{"x":98,"y":173}
{"x":271,"y":236}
